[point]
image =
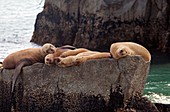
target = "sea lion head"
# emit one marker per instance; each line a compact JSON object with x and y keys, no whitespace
{"x":49,"y":59}
{"x":123,"y":51}
{"x":48,"y":48}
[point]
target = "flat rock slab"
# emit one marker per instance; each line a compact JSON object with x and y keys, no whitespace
{"x":92,"y":78}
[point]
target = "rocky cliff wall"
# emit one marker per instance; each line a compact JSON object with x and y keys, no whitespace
{"x":95,"y":24}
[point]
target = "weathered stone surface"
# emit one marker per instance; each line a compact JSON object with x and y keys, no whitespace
{"x":96,"y":79}
{"x":96,"y":24}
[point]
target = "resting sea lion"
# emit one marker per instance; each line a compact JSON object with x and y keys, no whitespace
{"x":62,"y":52}
{"x":81,"y":58}
{"x":26,"y":57}
{"x":75,"y":57}
{"x":122,"y":49}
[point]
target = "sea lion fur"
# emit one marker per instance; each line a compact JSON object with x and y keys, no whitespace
{"x":122,"y":49}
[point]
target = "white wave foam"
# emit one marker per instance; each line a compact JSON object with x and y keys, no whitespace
{"x":158,"y":98}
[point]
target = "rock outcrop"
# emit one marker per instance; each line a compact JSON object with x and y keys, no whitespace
{"x":96,"y":24}
{"x":95,"y":84}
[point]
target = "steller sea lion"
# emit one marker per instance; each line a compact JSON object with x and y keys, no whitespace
{"x":75,"y":57}
{"x":62,"y":52}
{"x":81,"y":58}
{"x":26,"y":57}
{"x":122,"y":49}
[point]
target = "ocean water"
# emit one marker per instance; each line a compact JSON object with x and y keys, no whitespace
{"x":17,"y":18}
{"x":157,"y":86}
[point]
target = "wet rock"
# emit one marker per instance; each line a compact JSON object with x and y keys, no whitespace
{"x":96,"y":24}
{"x":163,"y":107}
{"x":90,"y":86}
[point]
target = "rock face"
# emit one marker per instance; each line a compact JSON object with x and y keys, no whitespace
{"x":51,"y":87}
{"x":96,"y":24}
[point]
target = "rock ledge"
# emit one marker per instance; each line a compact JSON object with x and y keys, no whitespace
{"x":95,"y":78}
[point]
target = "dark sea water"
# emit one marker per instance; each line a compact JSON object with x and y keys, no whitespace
{"x":17,"y":18}
{"x":158,"y":81}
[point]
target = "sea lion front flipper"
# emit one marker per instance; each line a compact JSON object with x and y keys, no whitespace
{"x":17,"y":71}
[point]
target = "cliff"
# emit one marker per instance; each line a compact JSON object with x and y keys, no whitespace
{"x":102,"y":85}
{"x":96,"y":24}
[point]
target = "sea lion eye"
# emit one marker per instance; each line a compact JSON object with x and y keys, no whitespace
{"x":121,"y":51}
{"x":50,"y":51}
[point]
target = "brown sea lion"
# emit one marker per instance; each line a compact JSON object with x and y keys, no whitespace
{"x":49,"y":59}
{"x":81,"y":58}
{"x":26,"y":57}
{"x":122,"y":49}
{"x":62,"y":52}
{"x":75,"y":57}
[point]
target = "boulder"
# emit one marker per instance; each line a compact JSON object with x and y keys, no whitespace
{"x":96,"y":24}
{"x":87,"y":86}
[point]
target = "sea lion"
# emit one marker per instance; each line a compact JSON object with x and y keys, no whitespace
{"x":75,"y":57}
{"x":26,"y":57}
{"x":73,"y":52}
{"x":122,"y":49}
{"x":81,"y":58}
{"x":49,"y":59}
{"x":62,"y":52}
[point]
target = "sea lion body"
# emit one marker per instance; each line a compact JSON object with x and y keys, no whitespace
{"x":74,"y":57}
{"x":26,"y":57}
{"x":81,"y":58}
{"x":62,"y":52}
{"x":49,"y":59}
{"x":122,"y":49}
{"x":14,"y":59}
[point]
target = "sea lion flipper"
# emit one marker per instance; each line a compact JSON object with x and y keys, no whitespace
{"x":67,"y":47}
{"x":15,"y":76}
{"x":17,"y":71}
